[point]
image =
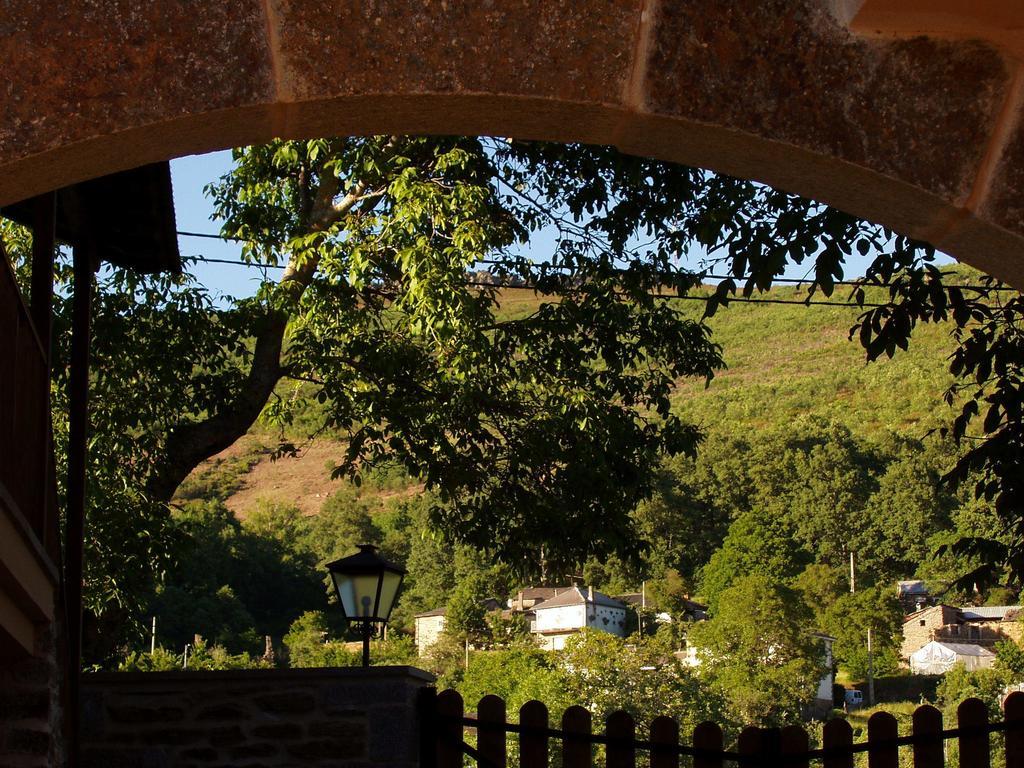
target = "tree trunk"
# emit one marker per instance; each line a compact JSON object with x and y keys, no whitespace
{"x":191,"y":443}
{"x":188,"y":445}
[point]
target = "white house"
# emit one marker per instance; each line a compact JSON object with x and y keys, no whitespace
{"x":937,"y":658}
{"x":429,"y":626}
{"x":824,"y":696}
{"x":570,"y":611}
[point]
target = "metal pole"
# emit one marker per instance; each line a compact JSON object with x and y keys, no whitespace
{"x":152,"y":638}
{"x":367,"y":629}
{"x":853,"y":583}
{"x":78,"y":426}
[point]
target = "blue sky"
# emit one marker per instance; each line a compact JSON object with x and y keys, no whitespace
{"x":193,"y":209}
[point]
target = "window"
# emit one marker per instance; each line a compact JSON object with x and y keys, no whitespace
{"x":923,"y":622}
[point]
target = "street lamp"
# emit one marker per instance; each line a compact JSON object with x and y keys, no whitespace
{"x":367,"y":586}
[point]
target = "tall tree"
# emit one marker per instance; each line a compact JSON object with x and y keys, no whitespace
{"x":759,"y":651}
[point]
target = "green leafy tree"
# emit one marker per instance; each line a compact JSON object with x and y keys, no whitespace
{"x":511,"y":631}
{"x":907,"y":509}
{"x":309,"y":644}
{"x":1010,"y":657}
{"x":606,"y":673}
{"x":466,"y":617}
{"x":517,"y":675}
{"x":850,"y":617}
{"x":758,"y":651}
{"x":759,"y":543}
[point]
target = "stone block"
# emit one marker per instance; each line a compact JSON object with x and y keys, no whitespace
{"x":202,"y":754}
{"x":526,"y":47}
{"x":78,"y":69}
{"x":278,"y":731}
{"x":393,"y":735}
{"x":289,"y":703}
{"x":93,"y":757}
{"x":326,"y":749}
{"x":222,"y":712}
{"x":339,"y":729}
{"x":226,"y":737}
{"x":1005,"y":204}
{"x":25,"y":741}
{"x":917,"y":109}
{"x":134,"y":714}
{"x":258,"y":749}
{"x":24,"y":704}
{"x":171,"y":736}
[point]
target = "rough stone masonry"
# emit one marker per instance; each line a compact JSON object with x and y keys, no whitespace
{"x":345,"y":718}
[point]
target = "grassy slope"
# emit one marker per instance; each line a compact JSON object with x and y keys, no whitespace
{"x":783,"y":361}
{"x":786,"y":360}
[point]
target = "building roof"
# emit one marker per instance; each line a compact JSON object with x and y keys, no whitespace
{"x":960,"y":649}
{"x":129,"y":216}
{"x":637,"y":598}
{"x":990,"y":612}
{"x":540,"y":593}
{"x":575,"y":596}
{"x":490,"y":604}
{"x":428,"y":614}
{"x":911,"y":587}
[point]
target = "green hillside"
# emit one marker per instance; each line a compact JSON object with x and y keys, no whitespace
{"x":787,"y":360}
{"x":783,"y":361}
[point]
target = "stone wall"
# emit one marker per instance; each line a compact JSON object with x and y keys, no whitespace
{"x":919,"y":628}
{"x":339,"y":717}
{"x":30,"y":711}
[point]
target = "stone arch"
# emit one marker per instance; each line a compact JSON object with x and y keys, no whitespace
{"x":908,"y":117}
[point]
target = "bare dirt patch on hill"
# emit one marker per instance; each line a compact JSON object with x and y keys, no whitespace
{"x":303,"y":481}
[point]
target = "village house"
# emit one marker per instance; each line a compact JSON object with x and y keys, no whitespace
{"x":937,"y":658}
{"x":573,"y":610}
{"x":429,"y":625}
{"x":981,"y":627}
{"x":553,"y":614}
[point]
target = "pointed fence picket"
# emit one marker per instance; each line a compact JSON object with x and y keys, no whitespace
{"x":445,"y":745}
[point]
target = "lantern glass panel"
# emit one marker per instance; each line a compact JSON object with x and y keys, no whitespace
{"x":388,"y":592}
{"x":358,"y":594}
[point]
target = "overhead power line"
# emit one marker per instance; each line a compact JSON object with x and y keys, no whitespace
{"x":706,"y":276}
{"x":663,"y":296}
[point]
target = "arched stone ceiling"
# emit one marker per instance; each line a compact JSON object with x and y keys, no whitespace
{"x":903,"y":113}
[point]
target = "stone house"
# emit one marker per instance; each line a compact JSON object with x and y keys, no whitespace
{"x":430,"y":624}
{"x":982,"y":625}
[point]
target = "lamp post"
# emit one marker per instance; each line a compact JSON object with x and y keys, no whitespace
{"x":367,"y":586}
